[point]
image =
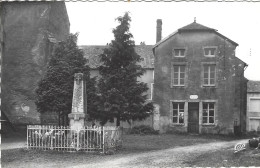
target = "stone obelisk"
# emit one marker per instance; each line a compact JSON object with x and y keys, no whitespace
{"x":77,"y":115}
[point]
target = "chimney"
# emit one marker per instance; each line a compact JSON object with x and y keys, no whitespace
{"x":159,"y":30}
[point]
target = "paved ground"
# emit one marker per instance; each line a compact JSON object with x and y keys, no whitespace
{"x":13,"y":143}
{"x":174,"y":157}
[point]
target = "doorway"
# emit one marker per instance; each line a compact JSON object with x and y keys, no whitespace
{"x":193,"y":117}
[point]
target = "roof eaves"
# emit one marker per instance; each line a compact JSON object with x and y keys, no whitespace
{"x":197,"y":29}
{"x":227,"y":38}
{"x":245,"y":64}
{"x":253,"y":91}
{"x":164,"y":39}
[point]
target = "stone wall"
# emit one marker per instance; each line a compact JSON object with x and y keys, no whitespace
{"x":228,"y":94}
{"x":30,"y":30}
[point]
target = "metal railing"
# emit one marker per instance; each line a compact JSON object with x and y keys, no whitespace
{"x":89,"y":139}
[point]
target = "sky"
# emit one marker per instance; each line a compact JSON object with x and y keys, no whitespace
{"x":239,"y":21}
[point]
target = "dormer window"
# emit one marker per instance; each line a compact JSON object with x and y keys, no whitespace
{"x":179,"y":52}
{"x":210,"y":51}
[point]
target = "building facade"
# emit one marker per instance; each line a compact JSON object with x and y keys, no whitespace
{"x":91,"y":53}
{"x":199,"y":82}
{"x":253,"y":106}
{"x":30,"y":31}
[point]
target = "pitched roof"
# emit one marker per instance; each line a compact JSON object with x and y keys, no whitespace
{"x":92,"y":52}
{"x":194,"y":27}
{"x":253,"y":86}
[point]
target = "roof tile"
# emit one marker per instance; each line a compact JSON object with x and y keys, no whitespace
{"x":195,"y":26}
{"x":253,"y":86}
{"x":91,"y":53}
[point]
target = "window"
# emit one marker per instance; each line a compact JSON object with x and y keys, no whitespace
{"x":254,"y":124}
{"x":178,"y":113}
{"x":179,"y":52}
{"x":209,"y":77}
{"x":254,"y":104}
{"x":210,"y":51}
{"x":178,"y":75}
{"x":208,"y":113}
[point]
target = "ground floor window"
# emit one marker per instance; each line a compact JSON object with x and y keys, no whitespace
{"x":208,"y":113}
{"x":254,"y":124}
{"x":178,"y":112}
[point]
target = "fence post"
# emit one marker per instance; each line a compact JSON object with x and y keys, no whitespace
{"x":103,"y":140}
{"x":51,"y":138}
{"x":77,"y":139}
{"x":27,"y":138}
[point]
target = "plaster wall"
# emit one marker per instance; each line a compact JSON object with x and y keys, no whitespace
{"x":252,"y":115}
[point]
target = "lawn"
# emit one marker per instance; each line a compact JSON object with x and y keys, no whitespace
{"x":132,"y":144}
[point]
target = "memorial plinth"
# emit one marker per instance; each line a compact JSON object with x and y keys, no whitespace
{"x":77,"y":115}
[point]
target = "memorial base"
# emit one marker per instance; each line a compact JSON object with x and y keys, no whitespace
{"x":76,"y":120}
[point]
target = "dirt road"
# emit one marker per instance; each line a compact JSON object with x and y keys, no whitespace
{"x":174,"y":157}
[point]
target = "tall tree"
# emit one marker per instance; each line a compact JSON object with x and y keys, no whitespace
{"x":55,"y":90}
{"x":122,"y":95}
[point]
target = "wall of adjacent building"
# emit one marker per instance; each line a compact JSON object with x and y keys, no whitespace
{"x":253,"y":111}
{"x":147,"y":78}
{"x":30,"y":30}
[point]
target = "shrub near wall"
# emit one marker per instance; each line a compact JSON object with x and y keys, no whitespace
{"x":143,"y":130}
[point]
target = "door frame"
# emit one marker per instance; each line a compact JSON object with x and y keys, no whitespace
{"x":198,"y":121}
{"x":200,"y":101}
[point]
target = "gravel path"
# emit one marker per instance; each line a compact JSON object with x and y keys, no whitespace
{"x":13,"y":145}
{"x":174,"y":157}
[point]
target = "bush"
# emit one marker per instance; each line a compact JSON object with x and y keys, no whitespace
{"x":252,"y":134}
{"x":143,"y":130}
{"x":253,"y":143}
{"x":176,"y":132}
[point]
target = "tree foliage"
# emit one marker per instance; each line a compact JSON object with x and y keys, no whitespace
{"x":122,"y":95}
{"x":55,"y":90}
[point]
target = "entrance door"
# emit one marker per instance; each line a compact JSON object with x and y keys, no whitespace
{"x":193,"y":117}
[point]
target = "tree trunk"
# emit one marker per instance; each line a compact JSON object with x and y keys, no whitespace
{"x":63,"y":120}
{"x":66,"y":120}
{"x":59,"y":118}
{"x":118,"y":121}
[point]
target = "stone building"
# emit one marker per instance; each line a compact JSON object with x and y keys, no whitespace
{"x":199,"y":83}
{"x":29,"y":33}
{"x":253,"y":106}
{"x":91,"y":53}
